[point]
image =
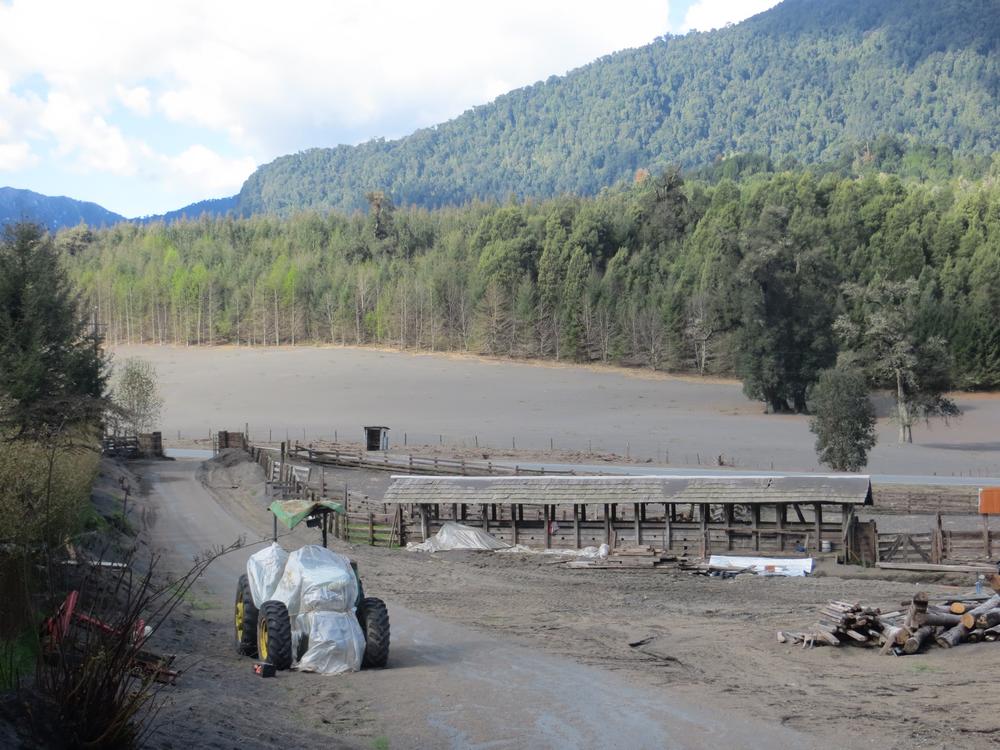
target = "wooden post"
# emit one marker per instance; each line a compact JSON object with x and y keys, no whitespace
{"x":486,"y":518}
{"x":371,"y":529}
{"x":755,"y":520}
{"x":986,"y":536}
{"x":513,"y":523}
{"x":730,"y":520}
{"x":780,"y":510}
{"x":425,"y":532}
{"x":636,"y":525}
{"x":937,"y":544}
{"x":576,"y":524}
{"x":668,"y":532}
{"x":705,"y":539}
{"x":818,"y":512}
{"x":548,"y":528}
{"x":607,"y":525}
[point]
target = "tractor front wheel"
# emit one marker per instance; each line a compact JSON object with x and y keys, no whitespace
{"x":245,"y":619}
{"x":373,"y":616}
{"x":274,"y":634}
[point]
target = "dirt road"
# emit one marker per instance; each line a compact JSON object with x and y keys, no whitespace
{"x":448,"y":685}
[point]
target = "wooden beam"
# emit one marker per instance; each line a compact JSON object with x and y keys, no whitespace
{"x":548,"y":528}
{"x":780,"y":509}
{"x":576,"y":524}
{"x":607,"y":525}
{"x":636,"y":525}
{"x":755,"y":521}
{"x":513,"y":523}
{"x":668,"y":536}
{"x":798,"y":512}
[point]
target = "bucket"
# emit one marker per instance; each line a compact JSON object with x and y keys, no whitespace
{"x":825,"y":546}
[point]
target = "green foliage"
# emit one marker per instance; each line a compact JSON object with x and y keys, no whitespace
{"x":51,"y":368}
{"x":136,"y":394}
{"x":843,"y":419}
{"x":730,"y":277}
{"x":882,"y":335}
{"x":902,"y":86}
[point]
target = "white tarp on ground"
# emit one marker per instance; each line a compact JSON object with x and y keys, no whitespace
{"x":320,"y":590}
{"x":454,"y":536}
{"x":768,"y":566}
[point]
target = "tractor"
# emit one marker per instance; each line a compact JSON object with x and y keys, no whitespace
{"x":266,"y":632}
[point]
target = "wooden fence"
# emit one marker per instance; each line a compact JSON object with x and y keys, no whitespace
{"x":892,"y":499}
{"x":939,"y":546}
{"x":411,"y":464}
{"x":364,"y":522}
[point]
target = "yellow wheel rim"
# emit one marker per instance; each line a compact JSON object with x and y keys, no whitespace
{"x":262,"y":640}
{"x":240,"y":614}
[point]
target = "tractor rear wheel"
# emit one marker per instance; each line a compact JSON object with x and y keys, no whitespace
{"x":373,"y":616}
{"x":274,"y":634}
{"x":245,"y":619}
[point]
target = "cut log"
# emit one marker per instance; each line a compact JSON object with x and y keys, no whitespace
{"x":975,"y":636}
{"x":957,"y":608}
{"x":953,"y":636}
{"x":988,"y":619}
{"x":916,"y":641}
{"x":918,"y":608}
{"x":891,"y":637}
{"x":943,"y":619}
{"x":992,"y":634}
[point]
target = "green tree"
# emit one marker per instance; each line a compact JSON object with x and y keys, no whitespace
{"x":52,"y":369}
{"x":881,"y":338}
{"x":843,"y":418}
{"x":137,"y":396}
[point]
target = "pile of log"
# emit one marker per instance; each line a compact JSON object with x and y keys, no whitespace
{"x":839,"y":622}
{"x":945,"y":622}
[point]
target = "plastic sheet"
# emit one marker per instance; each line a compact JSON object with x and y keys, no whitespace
{"x":320,"y":590}
{"x":264,"y":571}
{"x":455,"y":536}
{"x":768,"y":566}
{"x":317,"y":580}
{"x":336,"y":642}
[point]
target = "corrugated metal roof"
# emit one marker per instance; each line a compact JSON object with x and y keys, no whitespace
{"x":722,"y":488}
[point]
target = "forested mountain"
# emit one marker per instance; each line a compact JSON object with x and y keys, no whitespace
{"x":51,"y":212}
{"x":730,"y":277}
{"x":808,"y":81}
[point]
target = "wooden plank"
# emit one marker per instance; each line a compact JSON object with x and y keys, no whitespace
{"x":932,"y":568}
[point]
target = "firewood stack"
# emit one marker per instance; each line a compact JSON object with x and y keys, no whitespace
{"x":944,"y":622}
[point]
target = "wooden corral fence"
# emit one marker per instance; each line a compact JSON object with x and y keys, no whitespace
{"x":365,"y":521}
{"x":939,"y":545}
{"x":412,"y":464}
{"x":225,"y":439}
{"x":894,"y":499}
{"x":144,"y":445}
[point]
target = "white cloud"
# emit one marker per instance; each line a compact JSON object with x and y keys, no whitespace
{"x":14,"y":156}
{"x":200,"y":167}
{"x":254,"y":79}
{"x":705,"y":15}
{"x":136,"y":99}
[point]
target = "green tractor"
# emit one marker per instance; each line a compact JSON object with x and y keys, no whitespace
{"x":266,"y":632}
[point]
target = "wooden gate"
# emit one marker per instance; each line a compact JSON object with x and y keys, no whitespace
{"x":906,"y":548}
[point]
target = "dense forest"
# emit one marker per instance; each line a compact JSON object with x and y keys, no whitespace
{"x":803,"y":82}
{"x":742,"y":276}
{"x":51,"y":212}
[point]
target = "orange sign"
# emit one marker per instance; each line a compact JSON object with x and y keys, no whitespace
{"x":989,"y":500}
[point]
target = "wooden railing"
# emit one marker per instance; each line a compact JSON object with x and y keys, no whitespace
{"x":411,"y":464}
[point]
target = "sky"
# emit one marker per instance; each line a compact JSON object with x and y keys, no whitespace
{"x":144,"y":107}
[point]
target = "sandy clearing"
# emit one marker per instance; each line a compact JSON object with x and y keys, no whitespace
{"x":311,"y":393}
{"x":708,"y":644}
{"x":447,"y":686}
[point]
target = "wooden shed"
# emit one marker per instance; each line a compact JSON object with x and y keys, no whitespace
{"x":695,"y":515}
{"x":376,"y":438}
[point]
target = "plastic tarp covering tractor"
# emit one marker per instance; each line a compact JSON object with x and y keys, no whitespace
{"x":320,"y":590}
{"x":455,"y":536}
{"x":767,"y":566}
